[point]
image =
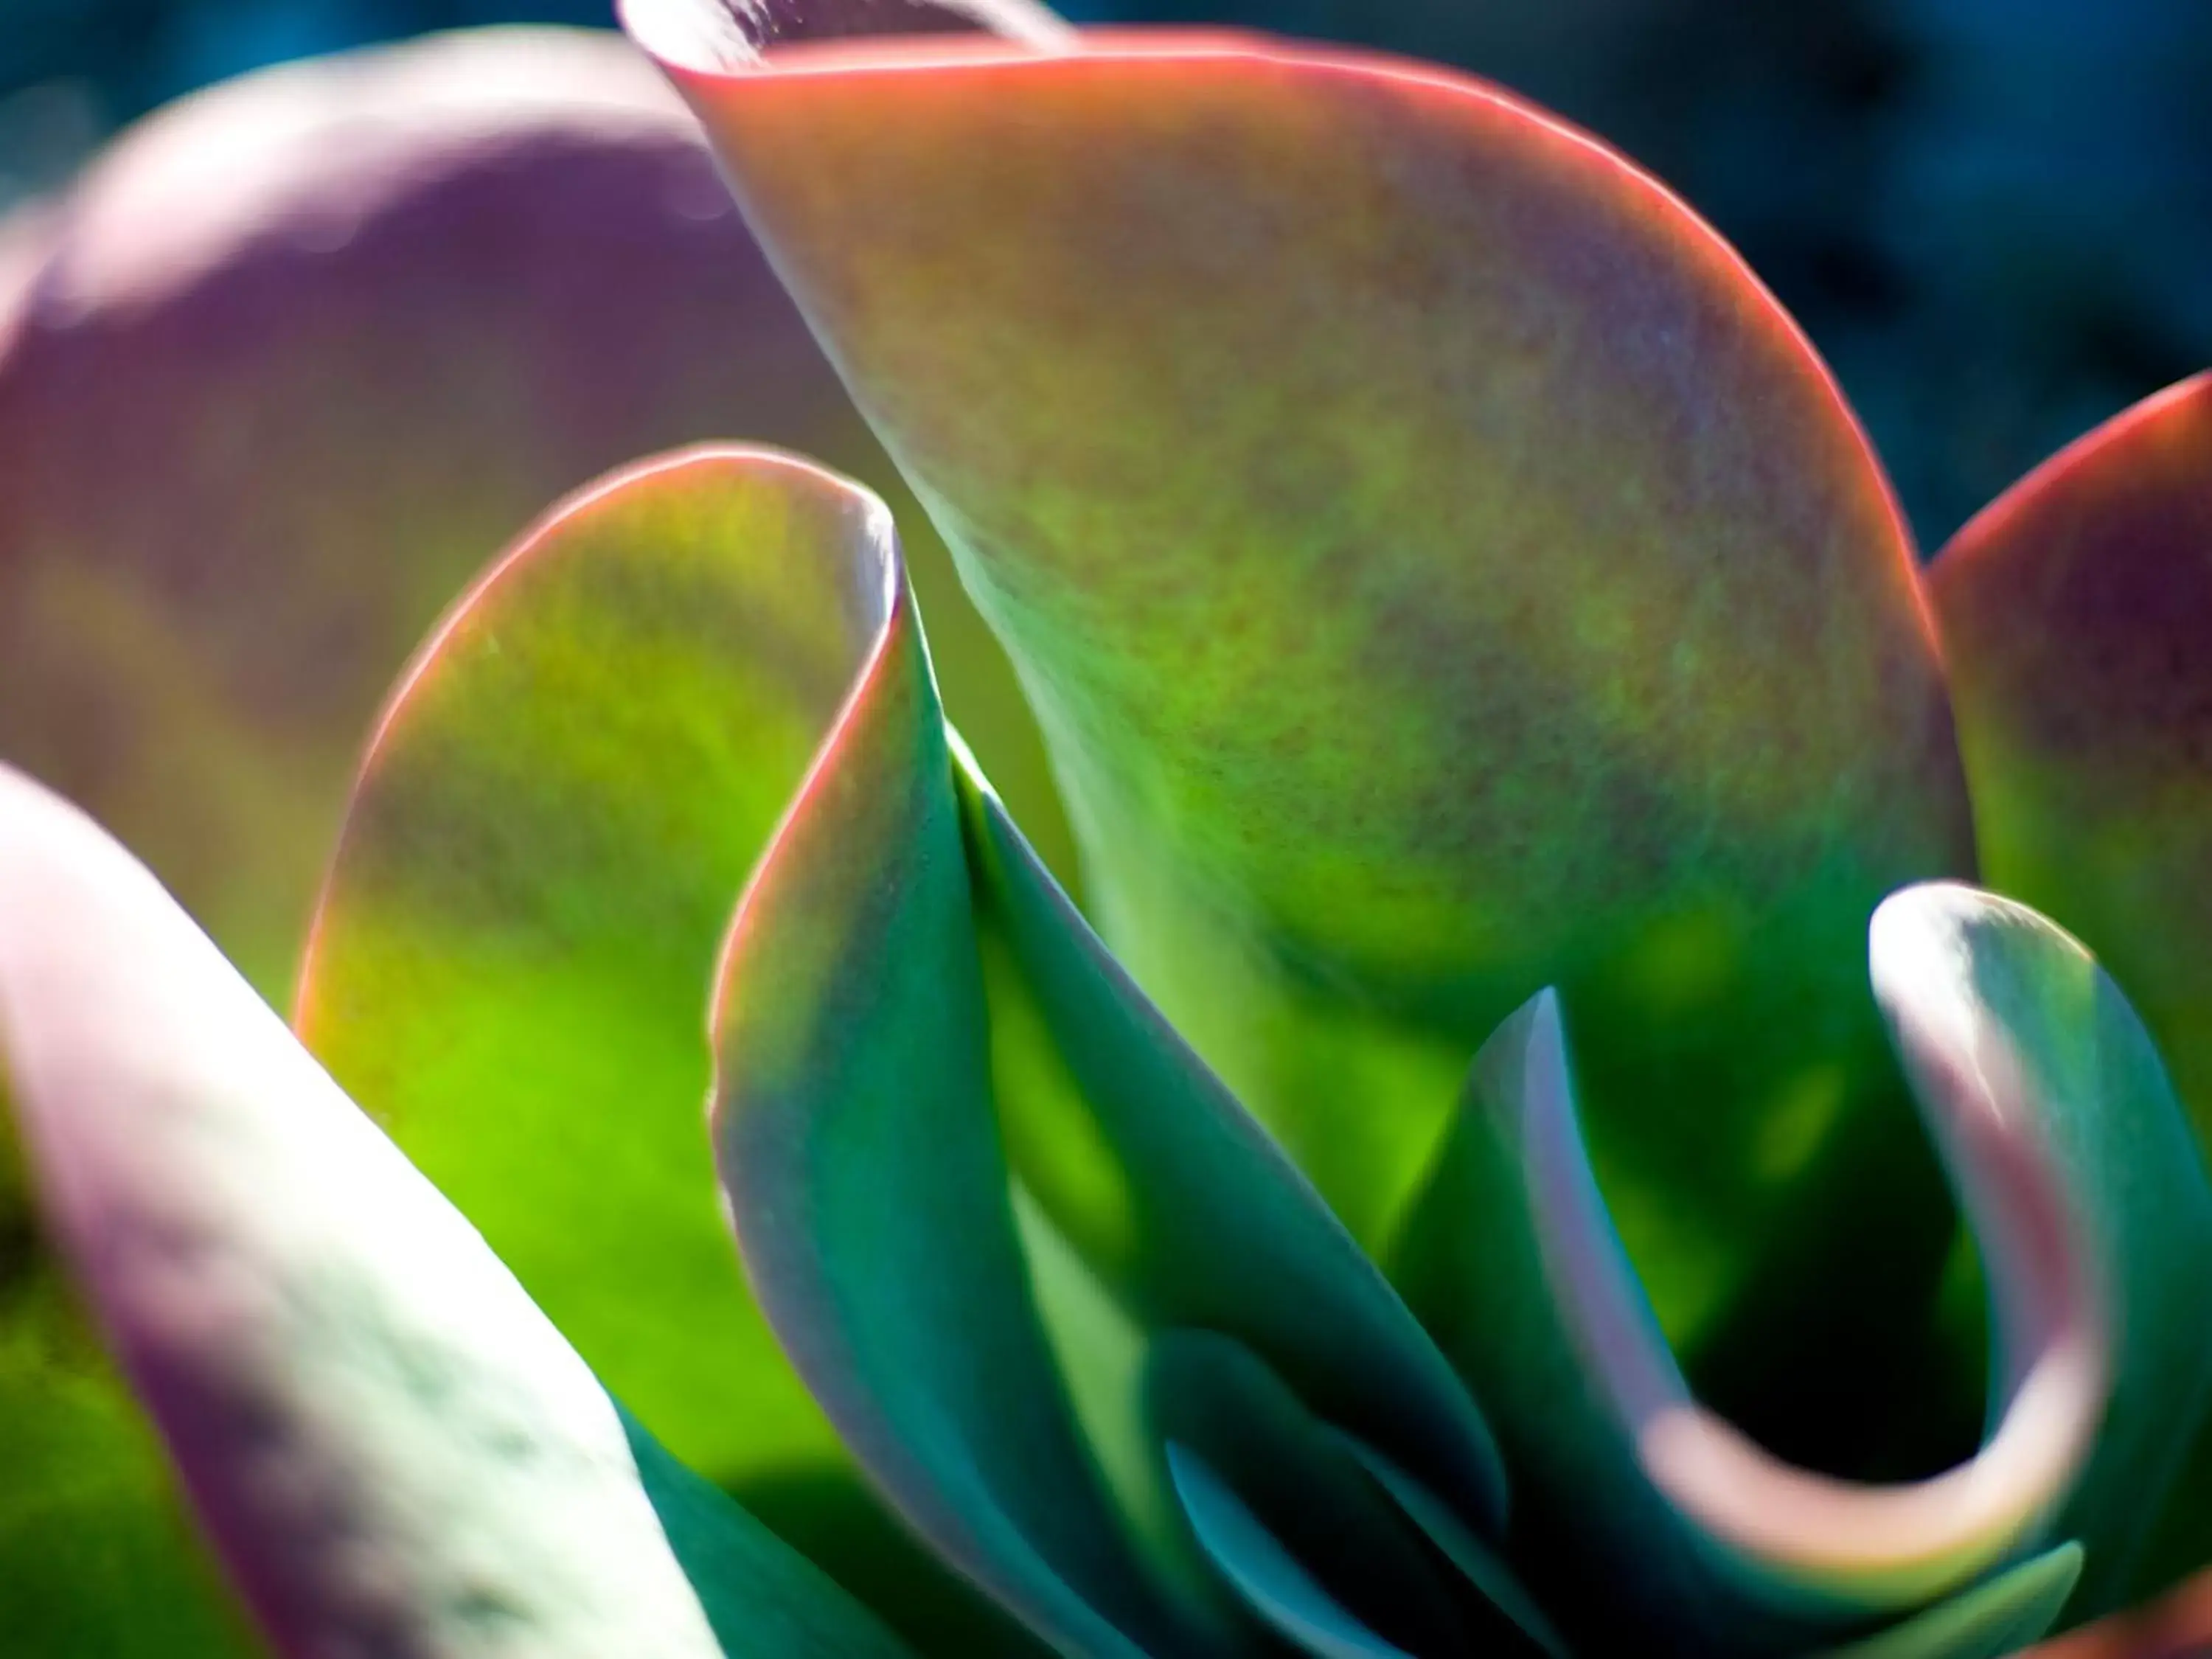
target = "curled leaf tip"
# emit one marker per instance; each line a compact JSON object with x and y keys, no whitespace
{"x":1864,"y":1543}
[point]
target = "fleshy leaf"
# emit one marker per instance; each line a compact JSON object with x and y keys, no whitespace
{"x":859,"y":1159}
{"x":390,"y":1447}
{"x":1215,"y":1407}
{"x":2176,"y":1627}
{"x":1266,"y":1574}
{"x":2075,"y":613}
{"x":761,"y":1597}
{"x":1179,"y":1199}
{"x":512,"y":961}
{"x":1441,"y":570}
{"x":1478,"y":1562}
{"x":1987,"y":1622}
{"x":517,"y":944}
{"x":1986,"y":996}
{"x":504,"y":246}
{"x":2075,"y":1167}
{"x":286,"y":369}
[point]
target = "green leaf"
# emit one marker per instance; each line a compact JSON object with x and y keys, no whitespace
{"x":2074,"y":611}
{"x":1599,"y":1543}
{"x":859,"y":1160}
{"x":282,"y":371}
{"x":1272,"y":1580}
{"x":389,"y":1445}
{"x":2074,"y":1166}
{"x":1179,"y":1199}
{"x":504,"y":246}
{"x":1986,"y":998}
{"x":761,"y":1597}
{"x":1215,"y":1405}
{"x":1988,"y":1621}
{"x":511,"y":966}
{"x":1478,"y":1561}
{"x":1441,"y":570}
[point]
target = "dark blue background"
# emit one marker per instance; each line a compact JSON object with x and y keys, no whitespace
{"x":1994,"y":215}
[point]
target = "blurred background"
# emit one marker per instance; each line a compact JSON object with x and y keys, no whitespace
{"x":1995,"y":216}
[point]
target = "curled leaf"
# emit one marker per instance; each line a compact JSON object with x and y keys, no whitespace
{"x":1440,"y":570}
{"x":390,"y":1446}
{"x":859,"y":1155}
{"x":2050,"y":1110}
{"x":517,"y":945}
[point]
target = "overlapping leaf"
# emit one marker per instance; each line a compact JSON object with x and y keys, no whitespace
{"x":2075,"y":612}
{"x":1441,"y":570}
{"x":2076,"y":1165}
{"x":390,"y":1446}
{"x":513,"y":958}
{"x":286,"y":369}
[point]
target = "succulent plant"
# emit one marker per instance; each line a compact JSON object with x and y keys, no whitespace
{"x":1449,"y":1190}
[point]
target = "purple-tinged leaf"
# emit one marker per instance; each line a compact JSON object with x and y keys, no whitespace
{"x":1441,"y":570}
{"x":390,"y":1446}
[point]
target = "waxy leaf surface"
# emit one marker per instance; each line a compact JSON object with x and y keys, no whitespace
{"x":859,"y":1152}
{"x":390,"y":1446}
{"x":2077,"y":1173}
{"x":515,"y":953}
{"x":2076,"y":613}
{"x":1440,"y":569}
{"x":1179,"y":1199}
{"x":279,"y":377}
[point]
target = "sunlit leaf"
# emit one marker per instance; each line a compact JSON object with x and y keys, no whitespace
{"x":1442,"y":571}
{"x":278,"y":378}
{"x":858,"y":1153}
{"x":513,"y":962}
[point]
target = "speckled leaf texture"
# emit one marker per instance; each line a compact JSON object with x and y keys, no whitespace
{"x":1481,"y":1173}
{"x":1440,"y":569}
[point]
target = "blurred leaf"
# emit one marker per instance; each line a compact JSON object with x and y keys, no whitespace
{"x":1278,"y":1588}
{"x":345,"y":327}
{"x":2179,"y":1626}
{"x":288,"y":366}
{"x":2074,"y":612}
{"x":1987,"y":1622}
{"x":392,"y":1450}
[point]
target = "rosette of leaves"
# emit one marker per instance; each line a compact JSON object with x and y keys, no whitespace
{"x":1584,"y":1009}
